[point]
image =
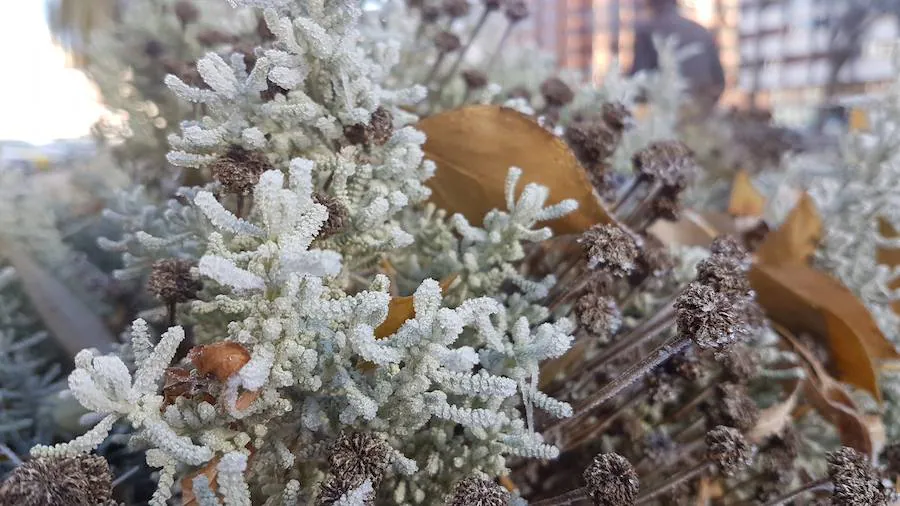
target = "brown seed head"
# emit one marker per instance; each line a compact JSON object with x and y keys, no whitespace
{"x":214,"y":38}
{"x":84,"y":480}
{"x":593,"y":141}
{"x":239,"y":169}
{"x":430,"y":14}
{"x":447,"y":42}
{"x":611,"y":249}
{"x":654,"y":260}
{"x":516,"y":10}
{"x":779,"y":451}
{"x":729,"y":246}
{"x":669,"y":162}
{"x":474,"y":491}
{"x":381,"y":126}
{"x":337,"y":215}
{"x":661,"y":388}
{"x":727,"y":448}
{"x":610,"y":480}
{"x":708,"y":317}
{"x":556,"y":92}
{"x":475,"y":79}
{"x":456,"y":8}
{"x":855,"y":482}
{"x":599,"y":314}
{"x":732,"y":407}
{"x":687,"y":367}
{"x":890,"y":458}
{"x":660,"y":449}
{"x":186,"y":12}
{"x":725,"y":274}
{"x":171,"y":281}
{"x":359,"y":455}
{"x":154,"y":48}
{"x":740,"y":363}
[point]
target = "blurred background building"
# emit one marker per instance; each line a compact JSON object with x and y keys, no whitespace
{"x":794,"y":57}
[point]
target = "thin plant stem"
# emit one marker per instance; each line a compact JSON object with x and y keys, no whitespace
{"x":673,"y":482}
{"x":465,"y":48}
{"x":569,"y":498}
{"x":11,"y":455}
{"x":503,"y":39}
{"x":628,"y":194}
{"x":651,"y":361}
{"x":816,"y":486}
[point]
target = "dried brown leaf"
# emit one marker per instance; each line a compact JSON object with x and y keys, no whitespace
{"x":796,"y":240}
{"x":187,"y":483}
{"x":691,"y":229}
{"x":474,"y":148}
{"x":831,"y":400}
{"x":773,"y":419}
{"x":401,"y":309}
{"x":745,"y":200}
{"x":222,"y":359}
{"x":805,"y":300}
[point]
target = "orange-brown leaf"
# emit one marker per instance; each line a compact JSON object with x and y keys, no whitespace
{"x":222,"y":359}
{"x":859,"y":120}
{"x":745,"y":200}
{"x":889,"y":256}
{"x":187,"y":483}
{"x":474,"y":148}
{"x":808,"y":301}
{"x":831,"y":400}
{"x":691,"y":229}
{"x":773,"y":419}
{"x":401,"y":309}
{"x":796,"y":240}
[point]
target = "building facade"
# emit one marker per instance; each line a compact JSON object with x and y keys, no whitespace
{"x":786,"y":58}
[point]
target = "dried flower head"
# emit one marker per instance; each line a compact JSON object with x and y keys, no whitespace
{"x":687,"y":367}
{"x":725,"y":274}
{"x":447,"y":42}
{"x":84,"y":480}
{"x":599,"y":314}
{"x":357,"y":456}
{"x":430,"y":14}
{"x":890,"y":458}
{"x":337,"y":215}
{"x":855,"y":482}
{"x":728,"y":246}
{"x":611,"y":481}
{"x":516,"y":10}
{"x":669,"y":162}
{"x":654,"y":260}
{"x":728,"y":449}
{"x":172,"y":282}
{"x":660,"y":448}
{"x":381,"y":126}
{"x":214,"y":38}
{"x":611,"y":249}
{"x":593,"y":141}
{"x":732,"y":407}
{"x":708,"y":317}
{"x":779,"y":451}
{"x":475,"y":491}
{"x":154,"y":48}
{"x":456,"y":8}
{"x":239,"y":169}
{"x":186,"y":12}
{"x":661,"y":388}
{"x":475,"y":79}
{"x":556,"y":92}
{"x":740,"y":363}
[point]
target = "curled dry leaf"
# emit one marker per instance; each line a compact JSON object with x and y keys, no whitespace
{"x":474,"y":148}
{"x":832,"y":401}
{"x":691,"y":229}
{"x":796,"y":239}
{"x":401,"y":309}
{"x":805,"y":300}
{"x":745,"y":199}
{"x":773,"y":419}
{"x":889,"y":256}
{"x":222,"y":359}
{"x":187,"y":483}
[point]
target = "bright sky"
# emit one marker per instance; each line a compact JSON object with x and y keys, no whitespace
{"x":40,"y":98}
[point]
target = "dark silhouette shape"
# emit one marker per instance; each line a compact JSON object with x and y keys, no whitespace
{"x":703,"y":71}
